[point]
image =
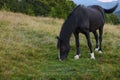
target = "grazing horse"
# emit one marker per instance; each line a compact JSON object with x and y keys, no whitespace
{"x":82,"y":20}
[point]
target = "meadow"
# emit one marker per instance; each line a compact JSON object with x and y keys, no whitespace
{"x":28,"y":51}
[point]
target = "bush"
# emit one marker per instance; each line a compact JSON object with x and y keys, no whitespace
{"x":5,"y":7}
{"x":112,"y":19}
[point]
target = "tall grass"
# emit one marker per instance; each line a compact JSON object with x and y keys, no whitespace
{"x":28,"y":51}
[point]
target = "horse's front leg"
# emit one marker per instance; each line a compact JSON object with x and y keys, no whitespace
{"x":89,"y":44}
{"x":77,"y":46}
{"x":96,"y":38}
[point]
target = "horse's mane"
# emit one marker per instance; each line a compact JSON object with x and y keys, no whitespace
{"x":74,"y":10}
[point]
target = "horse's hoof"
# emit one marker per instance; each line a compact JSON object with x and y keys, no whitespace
{"x":97,"y":49}
{"x":93,"y":58}
{"x":76,"y":57}
{"x":100,"y":52}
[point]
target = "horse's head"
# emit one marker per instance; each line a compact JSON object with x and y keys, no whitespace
{"x":63,"y":49}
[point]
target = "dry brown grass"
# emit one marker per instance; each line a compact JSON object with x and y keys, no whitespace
{"x":114,"y":29}
{"x":50,"y":25}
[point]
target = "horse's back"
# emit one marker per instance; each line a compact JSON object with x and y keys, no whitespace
{"x":95,"y":13}
{"x":96,"y":17}
{"x":91,"y":17}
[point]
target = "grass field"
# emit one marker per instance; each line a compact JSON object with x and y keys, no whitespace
{"x":28,"y":51}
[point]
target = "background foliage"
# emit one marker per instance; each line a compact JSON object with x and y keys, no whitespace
{"x":50,"y":8}
{"x":112,"y":19}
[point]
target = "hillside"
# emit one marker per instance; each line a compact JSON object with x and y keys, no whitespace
{"x":28,"y":51}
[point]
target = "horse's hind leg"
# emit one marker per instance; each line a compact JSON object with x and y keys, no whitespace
{"x":100,"y":39}
{"x":77,"y":45}
{"x":89,"y":44}
{"x":96,"y":38}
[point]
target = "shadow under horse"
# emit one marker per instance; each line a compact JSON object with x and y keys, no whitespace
{"x":82,"y":20}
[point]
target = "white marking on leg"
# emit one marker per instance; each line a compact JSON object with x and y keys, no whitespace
{"x":92,"y":56}
{"x":76,"y":57}
{"x":100,"y":52}
{"x":97,"y":49}
{"x":59,"y":56}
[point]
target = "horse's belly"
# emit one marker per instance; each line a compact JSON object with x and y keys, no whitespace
{"x":96,"y":24}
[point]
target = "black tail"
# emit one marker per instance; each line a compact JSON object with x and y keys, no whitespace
{"x":111,"y":10}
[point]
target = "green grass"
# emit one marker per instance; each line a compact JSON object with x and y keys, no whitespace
{"x":28,"y":51}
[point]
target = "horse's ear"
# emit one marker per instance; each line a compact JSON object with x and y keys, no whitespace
{"x":58,"y":43}
{"x":57,"y":38}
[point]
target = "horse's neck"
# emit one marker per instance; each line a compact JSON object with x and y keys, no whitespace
{"x":67,"y":28}
{"x":66,"y":33}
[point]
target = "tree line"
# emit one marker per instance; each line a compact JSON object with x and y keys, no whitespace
{"x":51,"y":8}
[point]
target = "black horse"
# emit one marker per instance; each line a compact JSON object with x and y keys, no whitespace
{"x":82,"y":20}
